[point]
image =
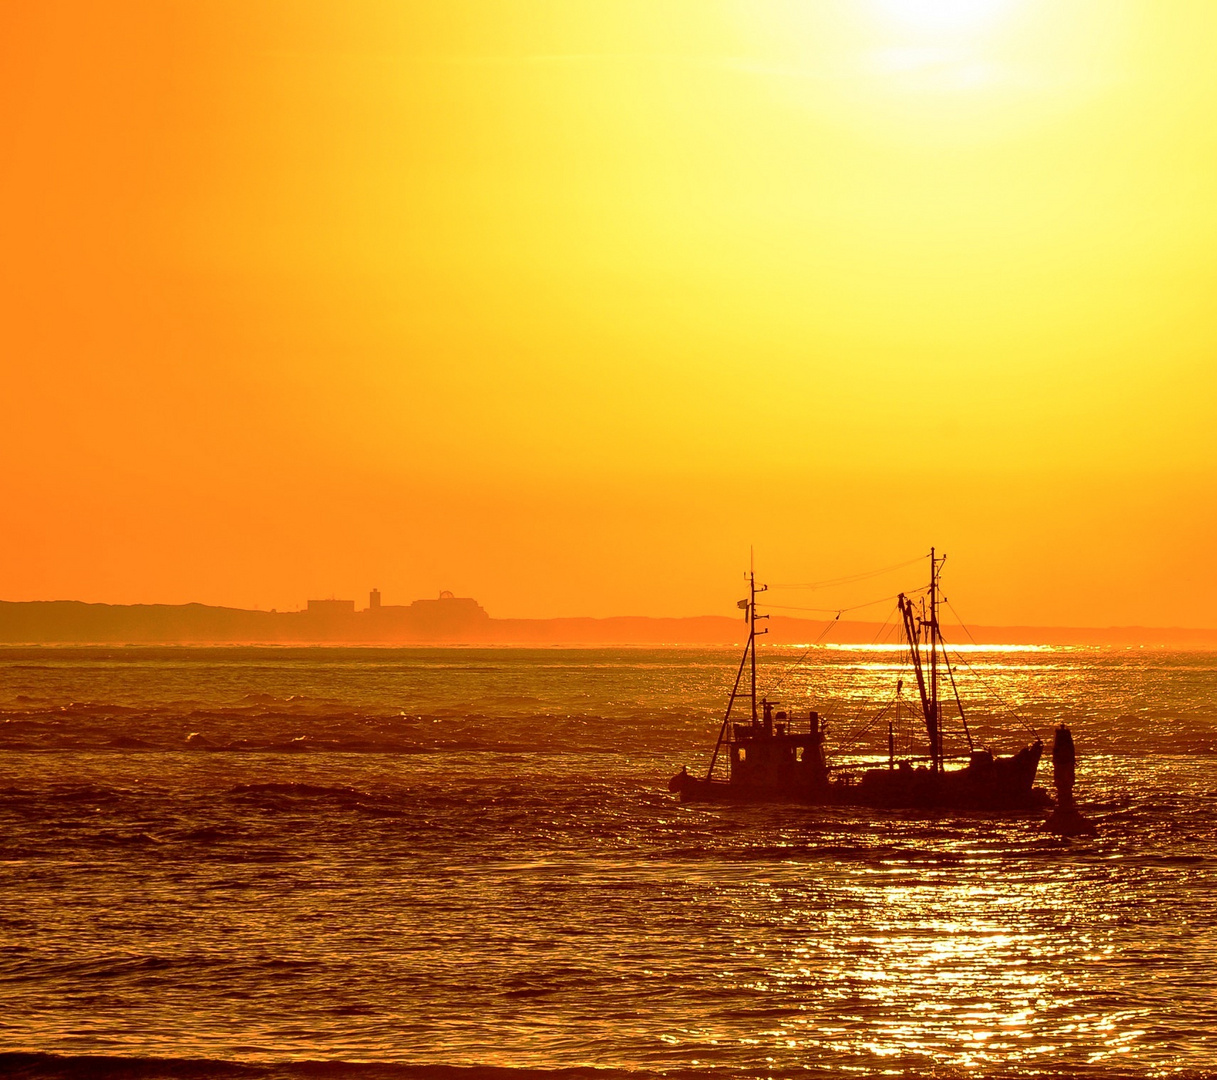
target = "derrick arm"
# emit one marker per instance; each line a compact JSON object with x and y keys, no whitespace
{"x":727,"y":716}
{"x":910,"y":632}
{"x":958,"y":701}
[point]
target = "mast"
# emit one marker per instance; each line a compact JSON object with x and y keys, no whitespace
{"x":935,"y":711}
{"x":749,"y":654}
{"x":752,"y":634}
{"x":753,"y":589}
{"x":935,"y":646}
{"x":912,"y":632}
{"x":722,"y":731}
{"x":916,"y":630}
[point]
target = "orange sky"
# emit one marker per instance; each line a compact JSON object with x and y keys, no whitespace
{"x":564,"y":305}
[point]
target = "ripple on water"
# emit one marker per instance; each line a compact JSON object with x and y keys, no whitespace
{"x":521,"y":892}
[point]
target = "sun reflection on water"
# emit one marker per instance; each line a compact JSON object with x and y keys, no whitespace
{"x":526,"y":894}
{"x":961,"y":964}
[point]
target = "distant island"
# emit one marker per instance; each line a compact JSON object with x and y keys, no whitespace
{"x":456,"y":620}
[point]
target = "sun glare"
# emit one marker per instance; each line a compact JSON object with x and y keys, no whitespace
{"x":913,"y":51}
{"x":940,"y":18}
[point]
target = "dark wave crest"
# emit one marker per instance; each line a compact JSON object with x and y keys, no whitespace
{"x":36,"y":1066}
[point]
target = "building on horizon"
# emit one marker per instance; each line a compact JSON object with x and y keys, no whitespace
{"x":329,"y":608}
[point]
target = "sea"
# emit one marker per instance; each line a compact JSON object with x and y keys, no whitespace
{"x":466,"y":863}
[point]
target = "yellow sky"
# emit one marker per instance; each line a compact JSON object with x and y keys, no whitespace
{"x":565,"y":305}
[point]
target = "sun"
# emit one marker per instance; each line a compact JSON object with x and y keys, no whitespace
{"x":934,"y":18}
{"x":910,"y":72}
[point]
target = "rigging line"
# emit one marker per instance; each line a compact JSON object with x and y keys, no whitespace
{"x":961,"y":622}
{"x":823,"y":633}
{"x":806,"y":652}
{"x":884,"y":628}
{"x":1001,"y":701}
{"x":896,"y":702}
{"x":855,"y":734}
{"x":955,"y":690}
{"x":846,"y":580}
{"x":1005,"y":704}
{"x":838,"y":610}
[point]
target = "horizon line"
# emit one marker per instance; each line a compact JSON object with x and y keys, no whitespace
{"x":987,"y":626}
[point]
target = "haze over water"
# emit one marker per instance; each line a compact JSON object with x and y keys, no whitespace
{"x":563,"y":306}
{"x":567,"y":307}
{"x":469,"y":857}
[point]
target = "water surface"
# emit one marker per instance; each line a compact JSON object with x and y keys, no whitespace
{"x":468,"y":857}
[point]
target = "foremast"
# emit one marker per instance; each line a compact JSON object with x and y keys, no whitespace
{"x":749,"y":657}
{"x":753,"y":589}
{"x":922,"y":632}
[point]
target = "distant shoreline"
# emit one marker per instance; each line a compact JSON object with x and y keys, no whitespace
{"x":460,"y":621}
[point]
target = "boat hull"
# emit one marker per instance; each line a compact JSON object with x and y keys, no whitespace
{"x":986,"y":784}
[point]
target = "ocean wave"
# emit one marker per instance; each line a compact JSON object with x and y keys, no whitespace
{"x":85,"y":793}
{"x":210,"y":834}
{"x":284,"y":795}
{"x":130,"y":742}
{"x":528,"y":893}
{"x":323,"y":791}
{"x":44,"y":1066}
{"x":122,"y":838}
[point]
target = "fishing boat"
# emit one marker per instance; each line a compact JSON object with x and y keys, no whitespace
{"x":770,"y":755}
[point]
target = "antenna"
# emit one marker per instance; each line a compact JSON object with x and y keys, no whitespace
{"x":753,"y":589}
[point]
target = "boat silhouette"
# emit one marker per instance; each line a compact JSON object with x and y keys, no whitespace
{"x":773,"y":756}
